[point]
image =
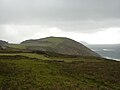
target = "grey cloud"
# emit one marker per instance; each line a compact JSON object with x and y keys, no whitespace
{"x":79,"y":15}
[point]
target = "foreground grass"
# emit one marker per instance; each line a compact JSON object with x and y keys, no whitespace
{"x":55,"y":58}
{"x":29,"y":55}
{"x":19,"y":72}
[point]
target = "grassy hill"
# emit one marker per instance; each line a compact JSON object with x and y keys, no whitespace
{"x":51,"y":46}
{"x":58,"y":45}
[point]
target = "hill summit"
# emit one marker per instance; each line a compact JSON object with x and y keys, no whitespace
{"x":60,"y":45}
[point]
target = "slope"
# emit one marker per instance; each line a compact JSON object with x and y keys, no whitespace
{"x":60,"y":45}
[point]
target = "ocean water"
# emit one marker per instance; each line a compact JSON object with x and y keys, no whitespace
{"x":107,"y":51}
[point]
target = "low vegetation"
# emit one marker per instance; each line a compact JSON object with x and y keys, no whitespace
{"x":28,"y":71}
{"x":55,"y":64}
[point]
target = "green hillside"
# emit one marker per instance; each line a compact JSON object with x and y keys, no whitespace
{"x":58,"y":45}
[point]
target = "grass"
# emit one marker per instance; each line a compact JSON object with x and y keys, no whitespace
{"x":55,"y":40}
{"x":22,"y":71}
{"x":16,"y":46}
{"x":55,"y":58}
{"x":30,"y":55}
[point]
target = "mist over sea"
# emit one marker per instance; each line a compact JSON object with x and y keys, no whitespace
{"x":107,"y":51}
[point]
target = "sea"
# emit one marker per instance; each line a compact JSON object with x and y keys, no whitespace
{"x":109,"y":51}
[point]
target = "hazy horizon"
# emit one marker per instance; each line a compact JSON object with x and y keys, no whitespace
{"x":92,"y":21}
{"x":83,"y":42}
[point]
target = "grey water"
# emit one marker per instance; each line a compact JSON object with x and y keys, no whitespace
{"x":110,"y":51}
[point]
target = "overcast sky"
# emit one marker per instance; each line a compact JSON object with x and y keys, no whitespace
{"x":92,"y":21}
